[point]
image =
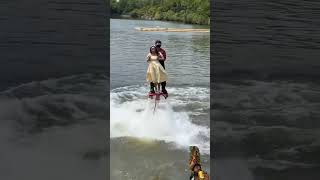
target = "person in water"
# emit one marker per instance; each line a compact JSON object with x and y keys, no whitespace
{"x":194,"y":164}
{"x":156,"y":74}
{"x":164,"y":54}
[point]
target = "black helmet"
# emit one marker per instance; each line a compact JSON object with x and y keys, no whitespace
{"x":158,"y":43}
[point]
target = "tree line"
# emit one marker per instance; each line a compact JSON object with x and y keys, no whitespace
{"x":187,"y":11}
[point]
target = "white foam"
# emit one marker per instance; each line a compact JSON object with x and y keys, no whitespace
{"x":136,"y":118}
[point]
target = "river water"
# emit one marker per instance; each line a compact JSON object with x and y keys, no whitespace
{"x":151,"y":146}
{"x":265,"y":96}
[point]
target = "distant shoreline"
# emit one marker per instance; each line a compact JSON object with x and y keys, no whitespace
{"x":126,"y":16}
{"x":188,"y":12}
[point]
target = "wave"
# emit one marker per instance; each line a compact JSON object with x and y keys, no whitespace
{"x":132,"y":114}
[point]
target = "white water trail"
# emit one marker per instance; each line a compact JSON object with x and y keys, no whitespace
{"x":136,"y":118}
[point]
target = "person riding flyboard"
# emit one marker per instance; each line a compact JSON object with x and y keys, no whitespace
{"x":156,"y":74}
{"x":164,"y":54}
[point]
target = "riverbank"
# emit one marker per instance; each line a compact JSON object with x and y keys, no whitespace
{"x":193,"y":12}
{"x":134,"y":17}
{"x":128,"y":17}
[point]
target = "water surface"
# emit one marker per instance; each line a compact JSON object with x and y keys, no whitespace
{"x":147,"y":145}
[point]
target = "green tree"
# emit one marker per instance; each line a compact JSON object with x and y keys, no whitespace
{"x":188,"y":11}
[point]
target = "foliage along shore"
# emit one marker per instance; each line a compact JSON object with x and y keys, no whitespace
{"x":186,"y":11}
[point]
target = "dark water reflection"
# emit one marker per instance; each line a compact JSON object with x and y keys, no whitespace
{"x":266,"y":88}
